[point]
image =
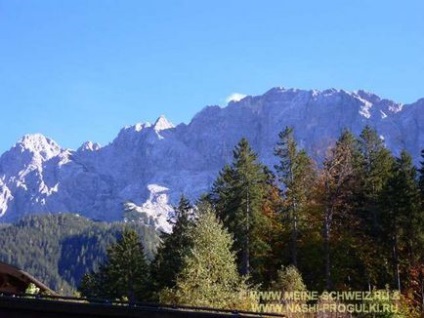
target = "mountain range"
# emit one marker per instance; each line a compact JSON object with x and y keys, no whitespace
{"x":149,"y":166}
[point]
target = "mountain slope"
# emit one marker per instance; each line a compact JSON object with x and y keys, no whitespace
{"x":59,"y":249}
{"x":152,"y":165}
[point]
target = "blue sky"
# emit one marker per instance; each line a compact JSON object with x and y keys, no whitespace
{"x":79,"y":70}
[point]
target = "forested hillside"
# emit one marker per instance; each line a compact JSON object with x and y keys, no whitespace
{"x":59,"y":249}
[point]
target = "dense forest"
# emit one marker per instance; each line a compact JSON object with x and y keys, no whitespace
{"x":352,"y":222}
{"x":59,"y":249}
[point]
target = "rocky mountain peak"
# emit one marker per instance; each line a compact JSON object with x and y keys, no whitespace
{"x":89,"y":146}
{"x":39,"y":144}
{"x":162,"y":124}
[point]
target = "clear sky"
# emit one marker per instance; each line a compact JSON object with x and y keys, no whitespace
{"x":79,"y":70}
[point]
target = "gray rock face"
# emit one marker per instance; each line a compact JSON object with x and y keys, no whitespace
{"x":152,"y":165}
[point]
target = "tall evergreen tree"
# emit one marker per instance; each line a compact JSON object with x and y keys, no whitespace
{"x":376,"y":168}
{"x":209,"y":276}
{"x":421,"y":177}
{"x":339,"y":182}
{"x":170,"y":255}
{"x":402,"y":220}
{"x":296,"y":173}
{"x":125,"y":273}
{"x":239,"y":194}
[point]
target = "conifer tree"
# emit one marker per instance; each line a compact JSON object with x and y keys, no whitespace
{"x":209,"y":276}
{"x":375,"y":171}
{"x":125,"y":273}
{"x":410,"y":200}
{"x":296,"y":173}
{"x":170,"y":255}
{"x":90,"y":285}
{"x":238,"y":195}
{"x":340,"y":168}
{"x":377,"y":164}
{"x":401,"y":219}
{"x":421,"y":177}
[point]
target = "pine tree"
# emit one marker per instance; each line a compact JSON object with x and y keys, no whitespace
{"x":421,"y":176}
{"x":409,"y":200}
{"x":376,"y":168}
{"x":403,"y":224}
{"x":296,"y":173}
{"x":209,"y":276}
{"x":90,"y":285}
{"x":174,"y":246}
{"x":125,"y":273}
{"x":238,"y":195}
{"x":340,"y":169}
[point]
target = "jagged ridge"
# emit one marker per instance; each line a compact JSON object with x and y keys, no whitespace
{"x":152,"y":165}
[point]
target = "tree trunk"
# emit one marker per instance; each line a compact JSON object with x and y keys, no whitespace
{"x":327,"y":220}
{"x":396,"y":262}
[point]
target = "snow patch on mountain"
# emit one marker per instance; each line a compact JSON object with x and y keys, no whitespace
{"x":383,"y":114}
{"x":5,"y":198}
{"x":235,"y":97}
{"x":39,"y":145}
{"x":89,"y":146}
{"x":365,"y":107}
{"x":162,"y":124}
{"x":156,"y":211}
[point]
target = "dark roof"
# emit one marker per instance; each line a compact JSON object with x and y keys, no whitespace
{"x":15,"y":279}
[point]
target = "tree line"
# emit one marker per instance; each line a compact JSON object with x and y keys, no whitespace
{"x":353,"y":222}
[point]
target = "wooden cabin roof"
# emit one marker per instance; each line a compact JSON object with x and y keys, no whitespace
{"x":15,"y":280}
